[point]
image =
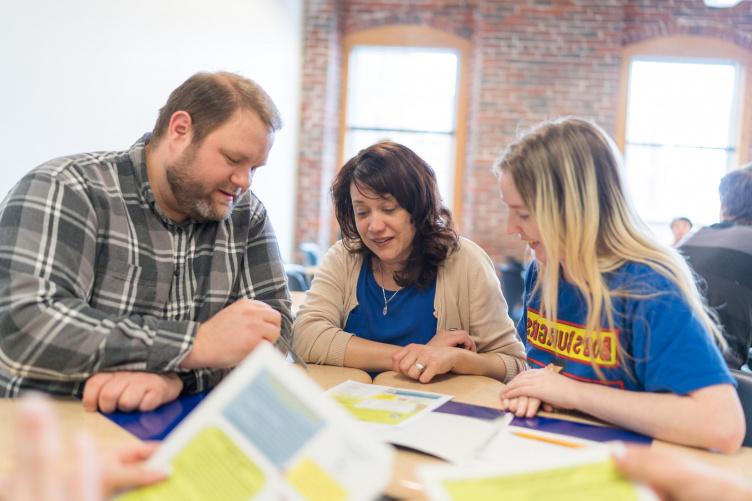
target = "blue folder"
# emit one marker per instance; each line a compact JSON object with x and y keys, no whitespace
{"x":547,"y":424}
{"x":157,"y":424}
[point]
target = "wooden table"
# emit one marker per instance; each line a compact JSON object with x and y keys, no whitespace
{"x":469,"y":389}
{"x":328,"y":376}
{"x":478,"y":390}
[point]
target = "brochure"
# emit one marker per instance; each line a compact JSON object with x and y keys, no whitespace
{"x":267,"y":432}
{"x":385,"y":405}
{"x":582,"y":475}
{"x":407,"y":418}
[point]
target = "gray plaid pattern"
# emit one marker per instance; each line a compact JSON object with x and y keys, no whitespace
{"x":93,"y":277}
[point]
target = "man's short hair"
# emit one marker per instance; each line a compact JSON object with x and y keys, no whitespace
{"x":681,"y":219}
{"x":736,"y":195}
{"x":211,"y":99}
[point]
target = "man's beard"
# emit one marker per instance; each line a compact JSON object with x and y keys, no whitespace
{"x":191,"y":197}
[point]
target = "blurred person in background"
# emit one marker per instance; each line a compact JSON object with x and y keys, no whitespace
{"x":721,"y":254}
{"x":680,"y":228}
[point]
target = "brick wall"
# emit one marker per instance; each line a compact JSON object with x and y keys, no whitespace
{"x":653,"y":18}
{"x":319,"y":121}
{"x":457,"y":17}
{"x":533,"y":60}
{"x":537,"y":60}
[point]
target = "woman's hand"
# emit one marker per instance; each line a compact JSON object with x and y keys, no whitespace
{"x":536,"y":386}
{"x":521,"y":406}
{"x":451,"y":338}
{"x":526,"y":407}
{"x":423,"y":362}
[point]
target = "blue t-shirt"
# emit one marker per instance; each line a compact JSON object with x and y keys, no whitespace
{"x":409,"y":319}
{"x":667,"y":348}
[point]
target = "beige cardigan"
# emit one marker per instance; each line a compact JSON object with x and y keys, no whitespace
{"x":468,"y":297}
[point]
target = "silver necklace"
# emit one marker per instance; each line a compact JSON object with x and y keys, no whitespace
{"x":383,"y":293}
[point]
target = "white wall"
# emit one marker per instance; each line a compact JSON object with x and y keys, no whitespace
{"x":88,"y":75}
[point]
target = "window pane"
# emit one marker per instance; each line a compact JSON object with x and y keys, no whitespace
{"x":683,"y":104}
{"x":436,"y":149}
{"x":402,"y":88}
{"x":667,"y":182}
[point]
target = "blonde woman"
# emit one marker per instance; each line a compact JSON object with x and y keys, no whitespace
{"x":612,"y":319}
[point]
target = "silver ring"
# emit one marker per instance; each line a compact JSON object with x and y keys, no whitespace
{"x":420,"y":366}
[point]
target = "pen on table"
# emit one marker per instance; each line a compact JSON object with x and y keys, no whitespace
{"x":549,"y":440}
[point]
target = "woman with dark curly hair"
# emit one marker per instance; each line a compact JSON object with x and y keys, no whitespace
{"x":401,"y":291}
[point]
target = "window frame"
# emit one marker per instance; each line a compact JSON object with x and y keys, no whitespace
{"x":691,"y":49}
{"x":424,"y":37}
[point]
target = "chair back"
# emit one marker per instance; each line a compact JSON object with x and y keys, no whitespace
{"x":744,"y":389}
{"x":311,"y":253}
{"x":296,"y":277}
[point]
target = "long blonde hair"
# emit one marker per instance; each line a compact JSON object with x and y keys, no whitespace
{"x":567,"y":172}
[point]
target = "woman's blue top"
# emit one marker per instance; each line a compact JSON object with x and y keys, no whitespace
{"x":409,"y":317}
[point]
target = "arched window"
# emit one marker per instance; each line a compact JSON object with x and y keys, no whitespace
{"x":684,"y":122}
{"x":408,"y":84}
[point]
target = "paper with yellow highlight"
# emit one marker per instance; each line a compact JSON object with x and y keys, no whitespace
{"x":576,"y":483}
{"x":586,"y":475}
{"x":385,"y":405}
{"x":268,"y":432}
{"x":315,"y":484}
{"x":211,"y":466}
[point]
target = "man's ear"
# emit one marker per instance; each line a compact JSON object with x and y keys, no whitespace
{"x":180,"y":128}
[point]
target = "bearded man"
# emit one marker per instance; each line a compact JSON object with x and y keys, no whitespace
{"x":128,"y":278}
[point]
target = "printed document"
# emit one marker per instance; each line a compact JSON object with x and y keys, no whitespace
{"x":385,"y":405}
{"x":268,"y":432}
{"x":581,"y":475}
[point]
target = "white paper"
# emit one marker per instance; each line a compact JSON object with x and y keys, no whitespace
{"x":385,"y":405}
{"x":456,"y":439}
{"x":268,"y":432}
{"x":549,"y":458}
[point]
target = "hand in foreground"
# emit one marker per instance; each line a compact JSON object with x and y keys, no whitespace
{"x":230,"y":335}
{"x":130,"y":391}
{"x":44,"y":473}
{"x":451,"y":338}
{"x":423,"y":362}
{"x":680,"y":478}
{"x":126,"y":468}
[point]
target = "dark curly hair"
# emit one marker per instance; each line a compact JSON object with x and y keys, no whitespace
{"x":389,"y":168}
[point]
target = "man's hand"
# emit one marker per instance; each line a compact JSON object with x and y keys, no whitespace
{"x":230,"y":335}
{"x":129,"y":391}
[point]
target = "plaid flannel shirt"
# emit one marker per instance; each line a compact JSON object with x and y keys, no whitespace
{"x":93,"y":277}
